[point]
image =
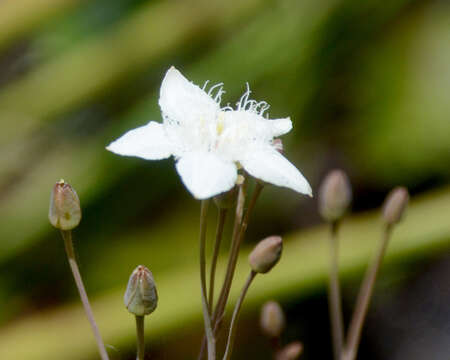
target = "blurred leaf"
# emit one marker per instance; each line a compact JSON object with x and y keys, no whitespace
{"x":18,"y":17}
{"x":403,"y":113}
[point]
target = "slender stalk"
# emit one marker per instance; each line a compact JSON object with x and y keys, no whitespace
{"x":206,"y":315}
{"x":219,"y":233}
{"x":334,"y":296}
{"x":237,"y":309}
{"x":364,"y":296}
{"x":232,"y":258}
{"x":140,"y":337}
{"x":240,"y":226}
{"x":238,"y":237}
{"x":67,"y":236}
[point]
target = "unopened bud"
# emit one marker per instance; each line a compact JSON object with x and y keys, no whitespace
{"x":141,"y":297}
{"x":266,"y":254}
{"x":395,"y":205}
{"x":272,"y":320}
{"x":65,"y":211}
{"x":227,"y":199}
{"x":335,"y":195}
{"x":291,"y":351}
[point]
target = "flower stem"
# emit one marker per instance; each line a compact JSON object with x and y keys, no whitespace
{"x":240,"y":226}
{"x":67,"y":236}
{"x":206,"y":315}
{"x":237,"y":309}
{"x":364,"y":296}
{"x":140,"y":337}
{"x":238,"y":236}
{"x":219,"y":233}
{"x":334,"y":296}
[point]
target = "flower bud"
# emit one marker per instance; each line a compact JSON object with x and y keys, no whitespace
{"x":141,"y":297}
{"x":227,"y":199}
{"x":291,"y":351}
{"x":335,"y":195}
{"x":266,"y":254}
{"x":272,"y":319}
{"x":65,"y":211}
{"x":395,"y":205}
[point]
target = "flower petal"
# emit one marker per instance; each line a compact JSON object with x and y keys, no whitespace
{"x":148,"y":142}
{"x":252,"y":126}
{"x":205,"y":174}
{"x":280,"y":126}
{"x":269,"y":165}
{"x":183,"y":102}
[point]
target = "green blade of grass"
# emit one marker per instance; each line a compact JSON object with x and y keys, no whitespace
{"x":19,"y":17}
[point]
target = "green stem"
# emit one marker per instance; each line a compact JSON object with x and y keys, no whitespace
{"x":219,"y":233}
{"x":334,"y":296}
{"x":237,"y":309}
{"x":206,"y":315}
{"x":140,"y":337}
{"x":67,"y":236}
{"x":364,"y":296}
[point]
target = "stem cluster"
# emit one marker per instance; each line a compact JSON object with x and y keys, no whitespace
{"x":213,"y":313}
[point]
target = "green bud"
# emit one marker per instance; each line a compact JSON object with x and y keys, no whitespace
{"x":266,"y":254}
{"x":395,"y":205}
{"x":65,"y":211}
{"x":291,"y":351}
{"x":272,"y":319}
{"x":141,"y":297}
{"x":335,"y":195}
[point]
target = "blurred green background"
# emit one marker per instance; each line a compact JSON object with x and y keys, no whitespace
{"x":367,"y":84}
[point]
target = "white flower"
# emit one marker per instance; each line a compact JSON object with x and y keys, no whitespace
{"x":209,"y":142}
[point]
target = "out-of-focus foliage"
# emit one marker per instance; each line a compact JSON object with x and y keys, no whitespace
{"x":365,"y":82}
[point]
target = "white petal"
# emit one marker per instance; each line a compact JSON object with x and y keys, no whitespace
{"x":255,"y":125}
{"x":184,"y":102}
{"x":280,"y":126}
{"x":147,"y":142}
{"x":270,"y":166}
{"x":205,"y":174}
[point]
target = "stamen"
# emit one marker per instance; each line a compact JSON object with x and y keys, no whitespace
{"x":218,"y":97}
{"x":204,"y":85}
{"x":244,"y":98}
{"x":228,"y":107}
{"x":251,"y":105}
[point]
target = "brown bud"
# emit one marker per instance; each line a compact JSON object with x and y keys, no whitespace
{"x":65,"y":211}
{"x":266,"y":254}
{"x":291,"y":351}
{"x":395,"y":205}
{"x":272,"y":319}
{"x":335,"y":195}
{"x":141,"y":297}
